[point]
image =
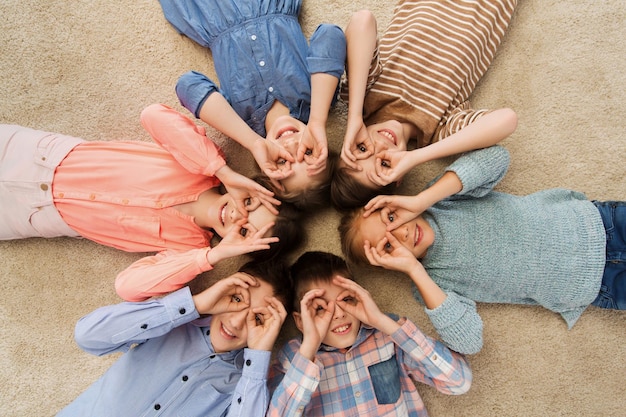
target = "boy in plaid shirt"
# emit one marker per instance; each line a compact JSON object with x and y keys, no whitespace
{"x":352,"y":359}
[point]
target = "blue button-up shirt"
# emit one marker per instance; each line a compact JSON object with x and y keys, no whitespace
{"x":260,"y":55}
{"x":169,"y":366}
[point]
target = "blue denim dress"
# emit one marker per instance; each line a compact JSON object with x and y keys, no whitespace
{"x":260,"y":55}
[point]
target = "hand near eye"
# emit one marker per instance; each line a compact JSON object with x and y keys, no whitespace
{"x":313,"y":148}
{"x":357,"y":301}
{"x":226,"y":295}
{"x":241,"y":239}
{"x":264,"y":324}
{"x":316,"y":316}
{"x":273,"y":160}
{"x":395,"y":209}
{"x":246,"y":193}
{"x":391,"y":166}
{"x":390,"y":254}
{"x":356,"y":144}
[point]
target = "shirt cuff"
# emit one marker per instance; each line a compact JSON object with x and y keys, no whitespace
{"x":180,"y":307}
{"x":256,"y":363}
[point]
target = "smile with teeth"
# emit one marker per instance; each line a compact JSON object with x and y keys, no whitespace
{"x":389,"y":135}
{"x":223,"y":215}
{"x":342,"y":329}
{"x":227,"y":333}
{"x":286,"y":132}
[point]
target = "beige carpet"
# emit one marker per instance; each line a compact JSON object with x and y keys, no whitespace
{"x":87,"y":68}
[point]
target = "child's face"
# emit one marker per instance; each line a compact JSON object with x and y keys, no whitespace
{"x":224,"y":216}
{"x":344,"y":327}
{"x":415,"y":235}
{"x":229,"y":330}
{"x":287,"y":132}
{"x":389,"y":135}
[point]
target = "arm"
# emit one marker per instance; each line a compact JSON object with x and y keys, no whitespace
{"x":361,"y":37}
{"x":116,"y":328}
{"x":485,"y":132}
{"x":251,"y":396}
{"x":432,"y":363}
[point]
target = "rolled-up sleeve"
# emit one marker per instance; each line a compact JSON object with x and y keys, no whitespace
{"x":192,"y":89}
{"x":327,"y":50}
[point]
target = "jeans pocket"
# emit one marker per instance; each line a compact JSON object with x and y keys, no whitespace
{"x":385,"y":378}
{"x":604,"y":299}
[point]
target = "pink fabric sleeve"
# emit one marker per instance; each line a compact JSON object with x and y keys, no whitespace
{"x":181,"y":137}
{"x":161,"y":274}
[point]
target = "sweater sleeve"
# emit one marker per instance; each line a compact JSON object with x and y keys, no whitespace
{"x":480,"y":170}
{"x":160,"y":274}
{"x":181,"y":137}
{"x":458,"y":323}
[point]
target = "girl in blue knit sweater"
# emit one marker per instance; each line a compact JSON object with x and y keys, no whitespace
{"x":461,"y":242}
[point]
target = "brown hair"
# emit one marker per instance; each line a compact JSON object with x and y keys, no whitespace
{"x":315,"y":266}
{"x":287,"y":228}
{"x":348,"y":228}
{"x":275,"y":273}
{"x":346,"y":192}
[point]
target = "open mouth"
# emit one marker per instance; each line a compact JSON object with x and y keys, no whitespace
{"x":341,"y":330}
{"x":286,"y":132}
{"x":389,"y":135}
{"x":223,"y":215}
{"x":226,"y":333}
{"x":418,"y":235}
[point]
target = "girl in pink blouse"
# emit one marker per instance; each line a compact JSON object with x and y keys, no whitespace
{"x":140,"y":197}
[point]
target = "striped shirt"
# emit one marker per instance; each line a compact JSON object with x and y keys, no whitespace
{"x":429,"y":61}
{"x":374,"y":377}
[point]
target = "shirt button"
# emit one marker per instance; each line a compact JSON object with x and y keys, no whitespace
{"x":159,"y":205}
{"x":357,"y":394}
{"x":44,"y":187}
{"x":92,"y":196}
{"x":61,"y":195}
{"x":43,"y":158}
{"x":212,"y":356}
{"x":185,"y":377}
{"x":124,"y":201}
{"x":262,"y":63}
{"x":144,"y":326}
{"x":253,"y":37}
{"x":239,"y":400}
{"x":182,"y":311}
{"x":435,"y":357}
{"x":248,"y":362}
{"x":271,"y":89}
{"x":157,"y":406}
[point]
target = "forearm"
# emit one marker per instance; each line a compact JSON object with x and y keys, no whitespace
{"x":219,"y":114}
{"x":432,"y":295}
{"x":296,"y":388}
{"x":361,"y":36}
{"x":447,"y":185}
{"x":484,"y":132}
{"x":160,"y":274}
{"x":251,"y":395}
{"x":323,"y":87}
{"x":117,"y":327}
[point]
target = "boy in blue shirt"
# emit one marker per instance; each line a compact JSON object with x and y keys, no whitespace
{"x":177,"y":363}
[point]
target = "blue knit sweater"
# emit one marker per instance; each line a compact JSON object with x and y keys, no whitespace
{"x":547,"y":249}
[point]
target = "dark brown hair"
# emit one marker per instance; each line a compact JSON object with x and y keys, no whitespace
{"x":315,"y":266}
{"x":348,"y":228}
{"x":346,"y":192}
{"x":275,"y":273}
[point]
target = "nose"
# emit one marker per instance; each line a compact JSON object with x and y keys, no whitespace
{"x":235,"y":215}
{"x":339,"y":313}
{"x":401,"y":233}
{"x":238,"y":319}
{"x":381,"y":144}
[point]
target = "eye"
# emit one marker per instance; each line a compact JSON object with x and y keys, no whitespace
{"x":388,"y":248}
{"x":235,"y":298}
{"x":385,"y":164}
{"x":259,"y":319}
{"x":349,"y":300}
{"x":308,"y":152}
{"x":361,"y":147}
{"x":281,"y":161}
{"x":247,"y":201}
{"x":391,"y":217}
{"x":243,"y":231}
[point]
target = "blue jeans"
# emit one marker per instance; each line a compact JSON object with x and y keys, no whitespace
{"x":613,"y":289}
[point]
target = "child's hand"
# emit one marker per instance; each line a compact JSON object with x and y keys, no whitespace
{"x":357,"y":301}
{"x":246,"y":193}
{"x":226,"y":295}
{"x":313,"y":148}
{"x":356,"y":144}
{"x":390,"y":254}
{"x":391,"y":166}
{"x":241,"y":239}
{"x":264,"y":324}
{"x":316,"y":316}
{"x":273,"y":160}
{"x":395,"y":210}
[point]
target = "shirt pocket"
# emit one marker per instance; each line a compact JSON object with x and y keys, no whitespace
{"x":385,"y":378}
{"x":142,"y":229}
{"x":205,"y":401}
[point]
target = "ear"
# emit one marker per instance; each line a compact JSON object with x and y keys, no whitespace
{"x":297,"y":318}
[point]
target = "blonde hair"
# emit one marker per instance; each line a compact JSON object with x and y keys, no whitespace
{"x":350,"y":235}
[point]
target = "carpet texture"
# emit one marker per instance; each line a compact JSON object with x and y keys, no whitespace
{"x":88,"y":68}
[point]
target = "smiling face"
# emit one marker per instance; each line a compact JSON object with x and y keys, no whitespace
{"x":287,"y":132}
{"x":228,"y":331}
{"x":390,"y":135}
{"x":344,"y":327}
{"x":416,"y":235}
{"x":223,"y":216}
